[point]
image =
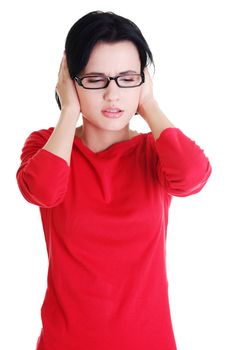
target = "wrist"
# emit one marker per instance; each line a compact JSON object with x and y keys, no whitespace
{"x":70,"y":112}
{"x":148,"y":108}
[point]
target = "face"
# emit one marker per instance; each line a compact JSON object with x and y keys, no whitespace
{"x":110,"y":59}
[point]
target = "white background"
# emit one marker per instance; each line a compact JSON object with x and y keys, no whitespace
{"x":192,"y":46}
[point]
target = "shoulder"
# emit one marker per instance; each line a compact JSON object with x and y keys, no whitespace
{"x":34,"y":141}
{"x":39,"y":135}
{"x":42,"y":133}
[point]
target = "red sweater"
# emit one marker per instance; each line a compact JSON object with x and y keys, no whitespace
{"x":105,"y":223}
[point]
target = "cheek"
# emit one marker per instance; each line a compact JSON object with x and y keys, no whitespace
{"x":133,"y":98}
{"x":135,"y":93}
{"x":87,"y":100}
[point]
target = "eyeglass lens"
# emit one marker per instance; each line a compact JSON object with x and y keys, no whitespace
{"x":128,"y":80}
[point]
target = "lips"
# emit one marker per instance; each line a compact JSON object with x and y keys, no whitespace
{"x":112,"y":110}
{"x":117,"y":114}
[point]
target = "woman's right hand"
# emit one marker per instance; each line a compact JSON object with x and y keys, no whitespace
{"x":65,"y":88}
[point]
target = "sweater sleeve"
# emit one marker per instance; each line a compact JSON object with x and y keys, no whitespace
{"x":182,"y":168}
{"x":42,"y":176}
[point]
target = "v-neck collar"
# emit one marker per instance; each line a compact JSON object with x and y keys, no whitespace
{"x":111,"y":148}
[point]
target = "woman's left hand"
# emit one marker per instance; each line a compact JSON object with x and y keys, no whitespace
{"x":146,"y":92}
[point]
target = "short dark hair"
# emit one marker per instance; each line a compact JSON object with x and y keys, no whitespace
{"x":99,"y":26}
{"x":106,"y":27}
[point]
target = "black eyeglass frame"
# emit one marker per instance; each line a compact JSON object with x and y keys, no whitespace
{"x":79,"y":81}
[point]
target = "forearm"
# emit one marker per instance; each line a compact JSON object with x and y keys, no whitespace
{"x":181,"y":165}
{"x":61,"y":140}
{"x":155,"y":118}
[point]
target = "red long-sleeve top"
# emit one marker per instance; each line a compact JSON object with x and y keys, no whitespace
{"x":105,"y":222}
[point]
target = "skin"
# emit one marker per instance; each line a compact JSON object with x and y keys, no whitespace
{"x":97,"y":131}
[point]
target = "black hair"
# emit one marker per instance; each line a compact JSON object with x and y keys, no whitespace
{"x":106,"y":27}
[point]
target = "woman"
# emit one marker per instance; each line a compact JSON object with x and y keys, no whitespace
{"x":104,"y":193}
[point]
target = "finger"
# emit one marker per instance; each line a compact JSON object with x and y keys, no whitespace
{"x":62,"y":63}
{"x":60,"y":68}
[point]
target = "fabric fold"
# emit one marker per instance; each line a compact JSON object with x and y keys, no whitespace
{"x":42,"y":176}
{"x":182,"y":166}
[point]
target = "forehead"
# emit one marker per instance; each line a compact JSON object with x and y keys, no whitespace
{"x":112,"y":58}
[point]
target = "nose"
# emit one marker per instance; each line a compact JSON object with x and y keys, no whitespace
{"x":112,"y":91}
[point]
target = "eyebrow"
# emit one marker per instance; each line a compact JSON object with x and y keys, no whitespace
{"x":99,"y":73}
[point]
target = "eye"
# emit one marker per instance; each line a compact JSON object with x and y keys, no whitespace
{"x":94,"y":80}
{"x":129,"y":78}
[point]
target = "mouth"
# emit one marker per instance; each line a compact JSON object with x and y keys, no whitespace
{"x":112,"y":112}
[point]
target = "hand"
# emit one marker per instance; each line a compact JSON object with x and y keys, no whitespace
{"x":65,"y":88}
{"x":146,"y":94}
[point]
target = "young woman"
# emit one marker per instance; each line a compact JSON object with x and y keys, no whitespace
{"x":104,"y":193}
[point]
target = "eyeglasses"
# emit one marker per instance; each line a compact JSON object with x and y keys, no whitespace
{"x":101,"y":82}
